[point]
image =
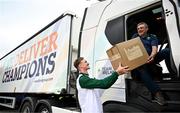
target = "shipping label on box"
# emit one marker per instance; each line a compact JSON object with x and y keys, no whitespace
{"x":130,"y":53}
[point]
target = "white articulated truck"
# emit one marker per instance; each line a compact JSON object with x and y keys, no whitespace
{"x":38,"y":75}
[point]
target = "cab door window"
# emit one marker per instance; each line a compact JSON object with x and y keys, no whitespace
{"x":154,"y":17}
{"x":114,"y":30}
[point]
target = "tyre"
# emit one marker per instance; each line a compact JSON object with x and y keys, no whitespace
{"x":44,"y":109}
{"x":26,"y":108}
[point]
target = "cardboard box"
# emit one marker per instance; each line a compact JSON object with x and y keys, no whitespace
{"x":130,"y":53}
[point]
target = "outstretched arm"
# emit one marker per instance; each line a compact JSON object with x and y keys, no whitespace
{"x":90,"y":83}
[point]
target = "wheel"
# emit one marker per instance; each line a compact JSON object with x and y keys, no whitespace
{"x":26,"y":108}
{"x":44,"y":109}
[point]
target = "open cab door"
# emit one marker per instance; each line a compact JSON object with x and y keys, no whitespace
{"x":172,"y":19}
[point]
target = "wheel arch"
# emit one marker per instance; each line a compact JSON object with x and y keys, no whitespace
{"x":30,"y":100}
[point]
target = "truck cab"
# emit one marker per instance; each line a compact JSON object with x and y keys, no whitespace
{"x":114,"y":22}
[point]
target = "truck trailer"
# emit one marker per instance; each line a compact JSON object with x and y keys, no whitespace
{"x":38,"y":75}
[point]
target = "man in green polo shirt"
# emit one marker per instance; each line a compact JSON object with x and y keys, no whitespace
{"x":88,"y":95}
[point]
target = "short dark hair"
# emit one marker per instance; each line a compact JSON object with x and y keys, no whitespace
{"x":77,"y":62}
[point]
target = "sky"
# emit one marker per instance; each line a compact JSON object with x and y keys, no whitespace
{"x":20,"y":19}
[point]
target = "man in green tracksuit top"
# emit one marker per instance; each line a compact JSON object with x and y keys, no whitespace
{"x":88,"y":93}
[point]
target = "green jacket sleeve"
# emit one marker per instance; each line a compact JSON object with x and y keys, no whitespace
{"x":90,"y":83}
